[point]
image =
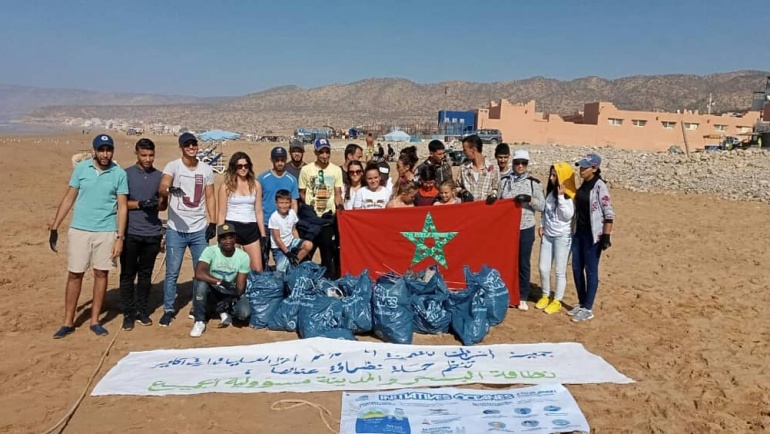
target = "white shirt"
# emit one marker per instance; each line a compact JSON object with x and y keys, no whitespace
{"x":557,"y":219}
{"x":349,"y":202}
{"x":285,"y":225}
{"x":368,"y":199}
{"x":241,"y":208}
{"x":188,"y":214}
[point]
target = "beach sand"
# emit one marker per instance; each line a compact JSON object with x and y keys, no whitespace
{"x":681,"y":310}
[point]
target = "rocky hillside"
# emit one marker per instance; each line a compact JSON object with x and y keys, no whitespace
{"x":400,"y":101}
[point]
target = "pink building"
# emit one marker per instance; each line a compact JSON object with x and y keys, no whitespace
{"x":603,"y":124}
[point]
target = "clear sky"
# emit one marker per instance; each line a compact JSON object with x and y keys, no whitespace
{"x":228,"y":47}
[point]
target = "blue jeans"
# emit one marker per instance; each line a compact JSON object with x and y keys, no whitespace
{"x":585,"y":267}
{"x":526,"y":241}
{"x":554,"y":250}
{"x":204,"y":295}
{"x":176,"y":243}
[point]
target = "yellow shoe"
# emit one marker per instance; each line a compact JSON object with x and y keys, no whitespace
{"x":542,"y":303}
{"x":553,"y":307}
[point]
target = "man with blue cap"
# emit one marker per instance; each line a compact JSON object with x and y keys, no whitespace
{"x":98,"y":189}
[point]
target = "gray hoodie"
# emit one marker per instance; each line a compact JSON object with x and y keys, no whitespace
{"x":513,"y":185}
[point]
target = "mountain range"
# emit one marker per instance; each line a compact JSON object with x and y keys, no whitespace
{"x":397,"y":101}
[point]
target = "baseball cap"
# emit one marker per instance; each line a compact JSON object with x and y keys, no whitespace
{"x":225,"y":229}
{"x":590,"y":160}
{"x":277,"y":152}
{"x":521,"y":154}
{"x":322,"y":143}
{"x":297,"y":144}
{"x":103,"y":140}
{"x":186,"y":137}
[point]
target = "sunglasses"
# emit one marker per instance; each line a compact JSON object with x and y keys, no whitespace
{"x":355,"y":172}
{"x":243,"y":166}
{"x":520,"y":162}
{"x":190,"y":145}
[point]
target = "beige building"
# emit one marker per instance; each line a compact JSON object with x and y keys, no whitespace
{"x":603,"y":124}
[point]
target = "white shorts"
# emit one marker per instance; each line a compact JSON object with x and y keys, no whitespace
{"x":92,"y":249}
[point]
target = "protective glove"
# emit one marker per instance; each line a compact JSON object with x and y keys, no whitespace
{"x":176,"y":191}
{"x":264,"y":245}
{"x":491,"y":198}
{"x":211,"y":231}
{"x":226,"y":288}
{"x":292,"y":257}
{"x":226,"y":304}
{"x":604,"y":242}
{"x":53,"y":238}
{"x":465,"y":196}
{"x":148,"y":204}
{"x":523,"y":198}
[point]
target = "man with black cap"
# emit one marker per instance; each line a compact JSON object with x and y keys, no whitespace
{"x":221,"y":281}
{"x":189,"y":185}
{"x":273,"y":180}
{"x":98,"y":189}
{"x":297,"y":152}
{"x":437,"y":159}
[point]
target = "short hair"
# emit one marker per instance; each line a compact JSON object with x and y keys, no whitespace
{"x":435,"y":145}
{"x":474,"y":141}
{"x":351,"y":149}
{"x":282,"y":194}
{"x":427,"y":173}
{"x":372,"y":166}
{"x":502,"y":149}
{"x":145,"y":144}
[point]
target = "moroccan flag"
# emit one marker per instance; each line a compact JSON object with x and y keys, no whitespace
{"x":399,"y":239}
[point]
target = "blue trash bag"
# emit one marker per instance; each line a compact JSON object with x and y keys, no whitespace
{"x":321,"y":316}
{"x":392,"y":310}
{"x":428,"y":297}
{"x":469,"y":315}
{"x":301,"y":282}
{"x":265,"y":292}
{"x":356,"y":302}
{"x":495,"y":292}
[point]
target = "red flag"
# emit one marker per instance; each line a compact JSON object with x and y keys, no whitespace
{"x":398,"y":239}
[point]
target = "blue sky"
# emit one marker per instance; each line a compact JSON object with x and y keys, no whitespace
{"x":228,"y":47}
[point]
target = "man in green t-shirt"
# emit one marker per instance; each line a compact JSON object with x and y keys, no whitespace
{"x":220,"y":281}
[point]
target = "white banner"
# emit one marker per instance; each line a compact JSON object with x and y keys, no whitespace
{"x":320,"y":364}
{"x":546,"y":409}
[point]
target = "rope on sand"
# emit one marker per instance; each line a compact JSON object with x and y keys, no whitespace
{"x":288,"y":404}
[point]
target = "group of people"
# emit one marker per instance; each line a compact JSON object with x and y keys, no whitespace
{"x":290,"y":211}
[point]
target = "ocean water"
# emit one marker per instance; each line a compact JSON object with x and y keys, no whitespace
{"x":10,"y":127}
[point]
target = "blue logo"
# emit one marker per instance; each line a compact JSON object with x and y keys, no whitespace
{"x":551,"y":408}
{"x":530,"y":423}
{"x":491,"y":411}
{"x":522,"y":410}
{"x":497,"y":425}
{"x":561,"y":422}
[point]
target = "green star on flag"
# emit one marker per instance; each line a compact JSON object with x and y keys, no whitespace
{"x":440,"y":239}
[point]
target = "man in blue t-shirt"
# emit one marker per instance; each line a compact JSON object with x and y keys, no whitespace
{"x":220,"y":280}
{"x":143,"y":235}
{"x":273,"y":180}
{"x":98,"y":189}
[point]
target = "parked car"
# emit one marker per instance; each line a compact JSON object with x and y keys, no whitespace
{"x":487,"y":136}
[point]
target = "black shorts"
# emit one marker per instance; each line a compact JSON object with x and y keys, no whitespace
{"x":245,"y":233}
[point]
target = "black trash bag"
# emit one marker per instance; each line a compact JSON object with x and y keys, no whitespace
{"x":265,"y":292}
{"x":392,"y":310}
{"x":495,"y":292}
{"x":469,"y":315}
{"x":300,"y":282}
{"x":429,"y":293}
{"x":357,"y":302}
{"x":321,"y":316}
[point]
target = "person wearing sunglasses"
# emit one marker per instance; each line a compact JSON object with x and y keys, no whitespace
{"x":353,"y":183}
{"x":525,"y":189}
{"x":189,"y":186}
{"x":240,"y":206}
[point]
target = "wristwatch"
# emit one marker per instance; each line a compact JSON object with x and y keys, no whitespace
{"x":120,"y":237}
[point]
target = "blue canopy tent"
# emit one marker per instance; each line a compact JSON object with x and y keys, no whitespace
{"x":218,"y":136}
{"x":397,"y":136}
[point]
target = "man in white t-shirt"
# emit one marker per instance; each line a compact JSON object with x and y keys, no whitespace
{"x":189,"y":185}
{"x":374,"y":195}
{"x":287,"y":246}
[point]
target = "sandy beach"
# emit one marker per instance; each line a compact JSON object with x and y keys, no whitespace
{"x":681,"y":310}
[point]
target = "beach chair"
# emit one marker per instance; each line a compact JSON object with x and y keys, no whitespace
{"x":217,"y":163}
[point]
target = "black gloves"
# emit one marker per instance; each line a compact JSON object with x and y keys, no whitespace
{"x":523,"y":198}
{"x":226,"y":288}
{"x":226,"y":304}
{"x":491,"y":198}
{"x":53,"y":237}
{"x":211,"y":231}
{"x":465,"y":196}
{"x":264,"y":246}
{"x":604,"y":242}
{"x":292,"y":257}
{"x":176,"y":191}
{"x":148,"y":204}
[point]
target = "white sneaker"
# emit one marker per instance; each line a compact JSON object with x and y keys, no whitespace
{"x":523,"y":305}
{"x":225,"y":320}
{"x":198,"y":328}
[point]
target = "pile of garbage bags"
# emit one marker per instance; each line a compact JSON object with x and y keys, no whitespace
{"x":393,"y":307}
